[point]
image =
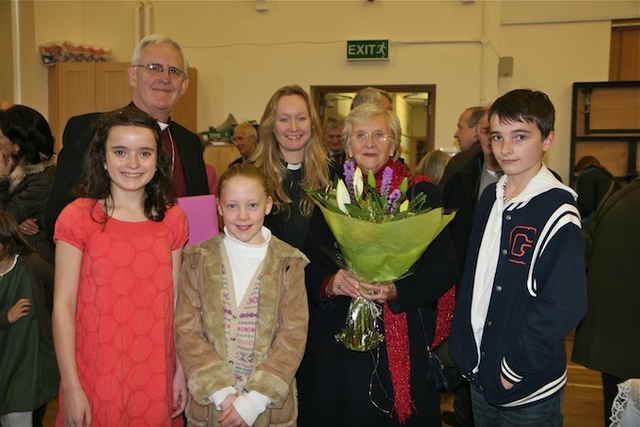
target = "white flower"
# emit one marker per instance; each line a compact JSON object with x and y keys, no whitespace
{"x":342,"y":196}
{"x":358,"y":183}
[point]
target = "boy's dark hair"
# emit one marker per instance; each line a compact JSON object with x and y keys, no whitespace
{"x":11,"y":239}
{"x":525,"y":105}
{"x":29,"y":129}
{"x":95,"y":182}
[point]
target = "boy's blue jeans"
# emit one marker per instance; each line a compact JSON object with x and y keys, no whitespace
{"x":547,"y":413}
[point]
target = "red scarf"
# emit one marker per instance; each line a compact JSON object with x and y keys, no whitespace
{"x":395,"y":325}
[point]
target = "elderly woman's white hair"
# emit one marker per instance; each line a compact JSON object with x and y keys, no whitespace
{"x":365,"y":112}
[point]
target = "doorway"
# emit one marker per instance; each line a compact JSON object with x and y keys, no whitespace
{"x":414,"y":105}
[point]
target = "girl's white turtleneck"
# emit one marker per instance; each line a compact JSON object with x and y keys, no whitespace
{"x":245,"y":260}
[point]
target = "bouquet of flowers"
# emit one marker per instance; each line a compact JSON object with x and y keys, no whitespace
{"x":381,"y":234}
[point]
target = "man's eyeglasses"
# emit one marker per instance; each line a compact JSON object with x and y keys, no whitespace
{"x":159,"y":69}
{"x":364,"y":137}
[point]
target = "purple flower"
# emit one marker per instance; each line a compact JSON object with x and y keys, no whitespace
{"x":392,"y":201}
{"x":387,"y":175}
{"x":349,"y":168}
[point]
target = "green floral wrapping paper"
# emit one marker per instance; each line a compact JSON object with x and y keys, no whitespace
{"x":381,"y":234}
{"x":378,"y":253}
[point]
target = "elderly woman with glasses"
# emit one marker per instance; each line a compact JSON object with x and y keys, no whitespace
{"x":337,"y":386}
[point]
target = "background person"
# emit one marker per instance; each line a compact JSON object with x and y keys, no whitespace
{"x":462,"y":192}
{"x":432,"y":165}
{"x":606,"y":338}
{"x":332,"y":135}
{"x":337,"y":386}
{"x":467,"y":127}
{"x":29,"y":376}
{"x":593,"y":184}
{"x":5,"y":105}
{"x":292,"y":155}
{"x":466,"y":184}
{"x":118,"y":255}
{"x":27,"y":168}
{"x":468,"y":137}
{"x":158,"y":79}
{"x":245,"y":139}
{"x":241,"y":372}
{"x":372,"y":95}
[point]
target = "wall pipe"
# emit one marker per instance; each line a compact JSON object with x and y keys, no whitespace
{"x":148,"y":7}
{"x":136,"y":22}
{"x":16,"y":54}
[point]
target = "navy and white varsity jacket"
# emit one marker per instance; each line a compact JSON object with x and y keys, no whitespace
{"x":538,"y":294}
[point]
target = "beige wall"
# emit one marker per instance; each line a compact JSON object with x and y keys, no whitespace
{"x":243,"y":55}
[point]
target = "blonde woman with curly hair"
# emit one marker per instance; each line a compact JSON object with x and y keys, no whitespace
{"x":293,"y":156}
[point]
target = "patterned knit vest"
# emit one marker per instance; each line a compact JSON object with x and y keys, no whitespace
{"x":240,"y":325}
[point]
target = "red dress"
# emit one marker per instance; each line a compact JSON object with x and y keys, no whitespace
{"x":124,"y":321}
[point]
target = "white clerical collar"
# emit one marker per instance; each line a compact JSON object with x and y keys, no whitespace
{"x":294,"y":166}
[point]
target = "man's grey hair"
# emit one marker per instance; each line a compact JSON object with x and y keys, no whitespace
{"x":251,"y":130}
{"x":333,"y":122}
{"x":157,"y":39}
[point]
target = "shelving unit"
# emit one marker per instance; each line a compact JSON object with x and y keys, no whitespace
{"x":605,"y":123}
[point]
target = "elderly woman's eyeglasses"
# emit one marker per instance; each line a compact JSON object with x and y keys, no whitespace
{"x":377,"y":136}
{"x":158,"y":70}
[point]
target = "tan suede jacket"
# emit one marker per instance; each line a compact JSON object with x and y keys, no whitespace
{"x":281,"y":332}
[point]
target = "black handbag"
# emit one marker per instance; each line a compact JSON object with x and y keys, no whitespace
{"x":438,"y":372}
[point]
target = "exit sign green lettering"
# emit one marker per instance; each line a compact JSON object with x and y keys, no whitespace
{"x":367,"y":50}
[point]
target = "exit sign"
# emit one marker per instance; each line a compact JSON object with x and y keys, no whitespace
{"x":367,"y":50}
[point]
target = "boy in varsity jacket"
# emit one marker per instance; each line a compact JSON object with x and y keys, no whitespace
{"x":523,"y":288}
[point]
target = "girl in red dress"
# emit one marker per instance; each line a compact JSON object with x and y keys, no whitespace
{"x":118,"y":254}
